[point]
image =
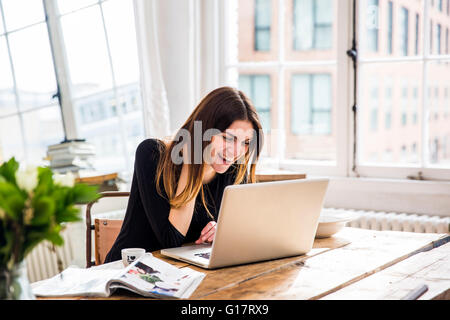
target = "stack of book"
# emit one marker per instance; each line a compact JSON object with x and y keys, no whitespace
{"x":71,"y":156}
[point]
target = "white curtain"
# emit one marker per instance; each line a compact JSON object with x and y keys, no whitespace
{"x":170,"y":36}
{"x":155,"y":104}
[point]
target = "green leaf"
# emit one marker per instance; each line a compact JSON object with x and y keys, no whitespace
{"x":44,"y":209}
{"x":69,"y":214}
{"x":45,"y":182}
{"x":8,"y":170}
{"x":54,"y":236}
{"x":12,"y":200}
{"x":83,"y":193}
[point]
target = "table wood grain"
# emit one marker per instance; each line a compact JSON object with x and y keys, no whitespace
{"x":339,"y":267}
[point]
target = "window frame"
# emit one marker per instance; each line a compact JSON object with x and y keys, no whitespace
{"x":227,"y":15}
{"x":344,"y":165}
{"x":63,"y":75}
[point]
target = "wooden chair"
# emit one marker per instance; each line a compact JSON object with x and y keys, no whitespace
{"x":105,"y":231}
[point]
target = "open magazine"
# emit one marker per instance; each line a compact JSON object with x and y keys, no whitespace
{"x":147,"y":276}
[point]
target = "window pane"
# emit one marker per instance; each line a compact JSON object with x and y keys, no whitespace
{"x":311,"y":117}
{"x":35,"y":75}
{"x":404,"y":31}
{"x":310,"y":30}
{"x":42,"y":128}
{"x":311,"y":104}
{"x":7,"y":96}
{"x":258,"y":88}
{"x":119,"y":20}
{"x":98,"y":121}
{"x":257,"y":30}
{"x":390,"y":28}
{"x":439,"y":114}
{"x":2,"y":29}
{"x":65,"y":6}
{"x":87,"y":55}
{"x":303,"y":24}
{"x":389,"y":117}
{"x":22,"y":13}
{"x":11,"y":139}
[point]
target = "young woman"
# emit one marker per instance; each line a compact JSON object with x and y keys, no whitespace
{"x":177,"y":185}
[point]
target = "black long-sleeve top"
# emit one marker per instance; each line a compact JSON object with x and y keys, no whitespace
{"x":146,"y":223}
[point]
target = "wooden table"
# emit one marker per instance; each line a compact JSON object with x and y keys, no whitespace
{"x":353,"y":264}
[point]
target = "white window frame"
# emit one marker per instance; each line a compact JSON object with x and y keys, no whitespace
{"x":63,"y":74}
{"x":344,"y":165}
{"x":405,"y":171}
{"x":340,"y":167}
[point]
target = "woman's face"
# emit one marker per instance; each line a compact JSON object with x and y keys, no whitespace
{"x":230,"y":145}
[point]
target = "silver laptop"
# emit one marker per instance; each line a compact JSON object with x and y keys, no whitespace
{"x":260,"y":221}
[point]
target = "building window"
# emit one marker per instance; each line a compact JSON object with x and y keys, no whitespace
{"x":372,"y":25}
{"x":416,"y":45}
{"x":311,"y":104}
{"x":313,"y":24}
{"x":446,"y":41}
{"x":262,"y":25}
{"x":431,"y":37}
{"x":390,"y":26}
{"x":388,"y":106}
{"x":404,"y":23}
{"x":258,"y":89}
{"x":438,"y":38}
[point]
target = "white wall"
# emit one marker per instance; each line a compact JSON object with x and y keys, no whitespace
{"x":405,"y":196}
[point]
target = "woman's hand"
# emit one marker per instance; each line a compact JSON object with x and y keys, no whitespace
{"x":207,"y":234}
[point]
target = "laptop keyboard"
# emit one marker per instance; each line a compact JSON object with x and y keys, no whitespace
{"x":204,"y":255}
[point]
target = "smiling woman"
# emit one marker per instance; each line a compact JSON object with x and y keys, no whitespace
{"x":177,"y":185}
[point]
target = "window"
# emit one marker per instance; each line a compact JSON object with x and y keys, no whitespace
{"x":313,"y":24}
{"x":390,"y":26}
{"x":258,"y":88}
{"x":446,"y":41}
{"x":105,"y":78}
{"x":95,"y":53}
{"x":404,"y":23}
{"x":431,"y":37}
{"x":395,"y":124}
{"x":416,"y":44}
{"x":372,"y":25}
{"x":311,"y":104}
{"x":30,"y":118}
{"x":262,"y":25}
{"x":438,"y":38}
{"x":294,"y":84}
{"x":416,"y":121}
{"x":388,"y":104}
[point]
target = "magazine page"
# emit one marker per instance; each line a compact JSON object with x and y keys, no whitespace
{"x":75,"y":281}
{"x":152,"y":277}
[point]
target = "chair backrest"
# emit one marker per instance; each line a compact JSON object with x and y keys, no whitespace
{"x":106,"y":232}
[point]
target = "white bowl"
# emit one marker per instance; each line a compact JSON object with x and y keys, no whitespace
{"x":331,"y":223}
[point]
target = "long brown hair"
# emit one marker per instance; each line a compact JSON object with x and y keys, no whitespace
{"x":217,"y":110}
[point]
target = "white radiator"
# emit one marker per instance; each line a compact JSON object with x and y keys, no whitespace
{"x":42,"y":262}
{"x":377,"y":220}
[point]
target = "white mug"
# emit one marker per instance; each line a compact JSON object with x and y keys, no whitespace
{"x":129,"y":255}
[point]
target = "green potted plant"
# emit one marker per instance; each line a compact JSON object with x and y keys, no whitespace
{"x":35,"y":205}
